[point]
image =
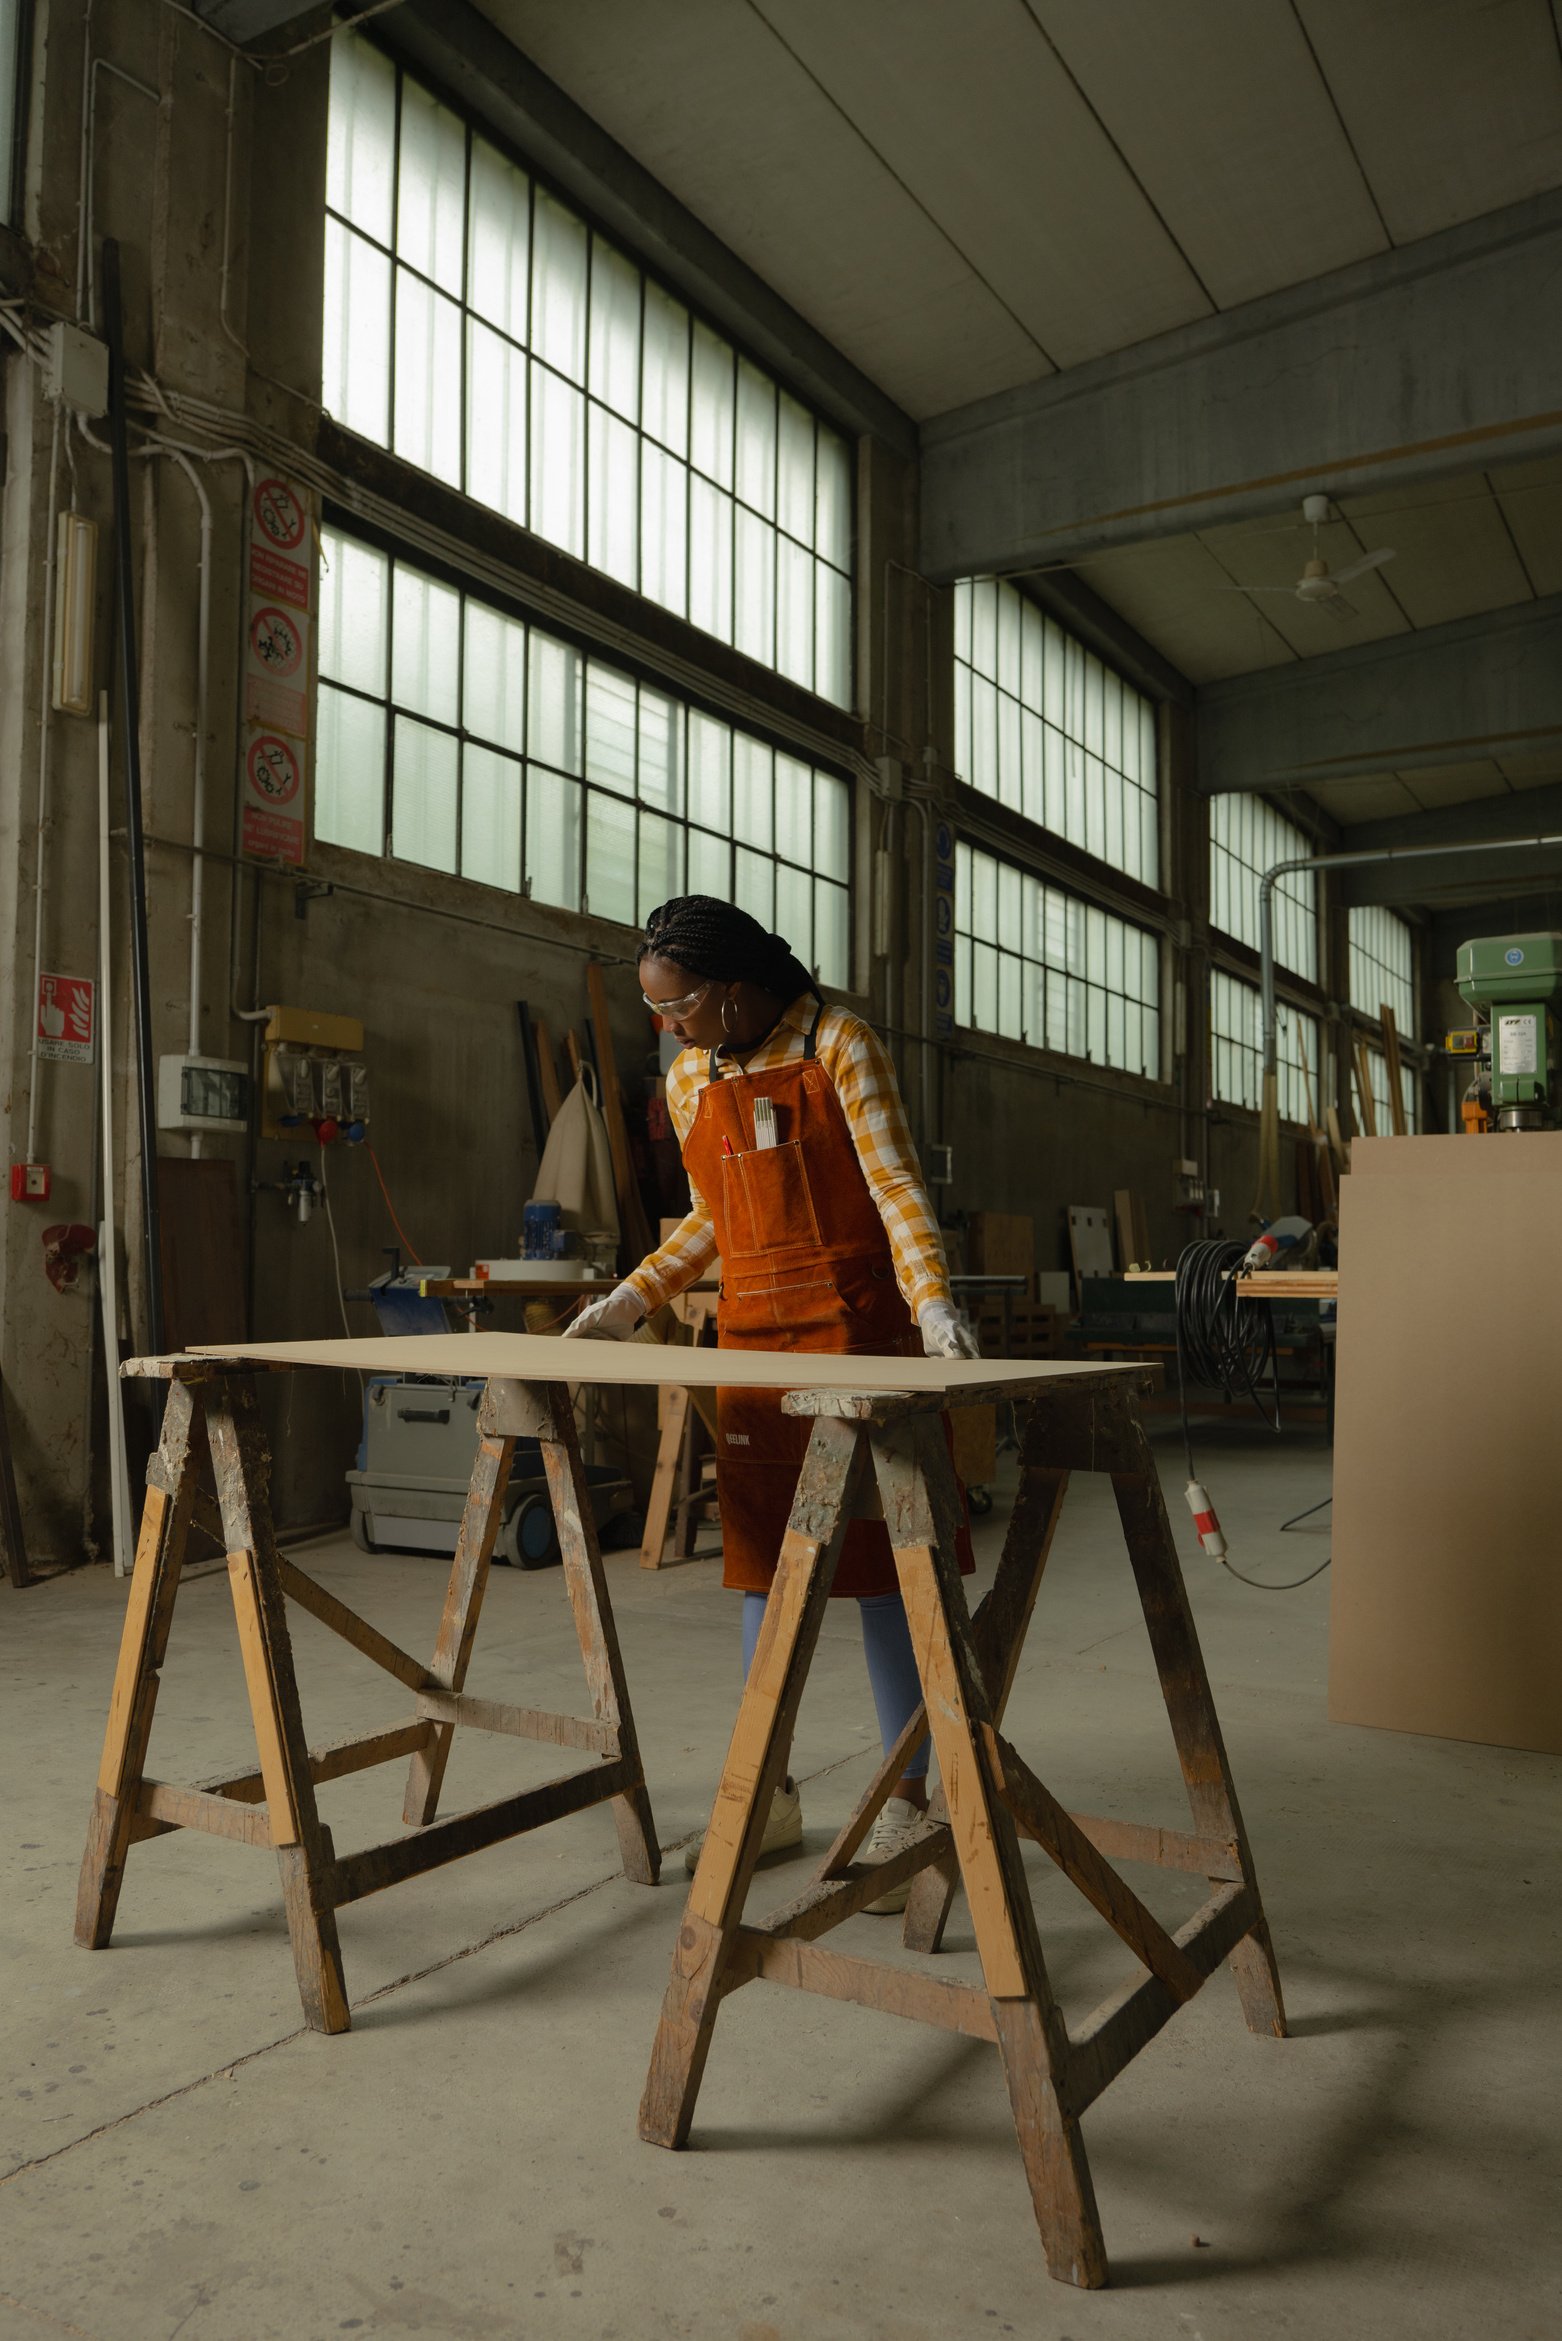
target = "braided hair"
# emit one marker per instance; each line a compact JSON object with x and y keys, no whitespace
{"x":713,"y":938}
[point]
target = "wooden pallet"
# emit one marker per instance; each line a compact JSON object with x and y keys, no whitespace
{"x":1019,"y":1329}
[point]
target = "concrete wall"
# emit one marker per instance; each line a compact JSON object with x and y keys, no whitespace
{"x":432,"y":965}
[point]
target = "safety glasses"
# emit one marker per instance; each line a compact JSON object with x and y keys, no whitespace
{"x":676,"y":1008}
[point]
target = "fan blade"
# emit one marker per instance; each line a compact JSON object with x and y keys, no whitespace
{"x":1255,"y":589}
{"x":1343,"y":613}
{"x":1367,"y":561}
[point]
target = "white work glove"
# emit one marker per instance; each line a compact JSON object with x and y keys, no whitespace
{"x":943,"y":1333}
{"x":613,"y":1318}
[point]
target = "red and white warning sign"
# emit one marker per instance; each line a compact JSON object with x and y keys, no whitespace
{"x":272,"y":768}
{"x":66,"y":1017}
{"x":278,"y":645}
{"x":281,"y":515}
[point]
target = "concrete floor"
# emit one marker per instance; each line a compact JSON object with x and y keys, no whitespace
{"x":185,"y":2160}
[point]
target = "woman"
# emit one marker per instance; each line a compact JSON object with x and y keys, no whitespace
{"x":827,"y":1242}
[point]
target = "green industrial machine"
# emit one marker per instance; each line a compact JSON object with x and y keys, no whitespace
{"x":1514,"y":984}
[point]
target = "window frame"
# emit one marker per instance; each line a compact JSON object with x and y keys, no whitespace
{"x":13,"y":183}
{"x":1287,"y":888}
{"x":1293,"y":1004}
{"x":477,"y":127}
{"x":1031,"y":724}
{"x":1382,"y":1110}
{"x":1386,"y":979}
{"x":1149,"y":932}
{"x":338,"y":521}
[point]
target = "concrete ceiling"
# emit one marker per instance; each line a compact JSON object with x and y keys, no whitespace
{"x":1387,"y":796}
{"x":967,"y":195}
{"x":1478,"y":541}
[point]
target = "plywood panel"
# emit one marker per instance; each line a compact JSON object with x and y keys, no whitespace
{"x":203,"y":1250}
{"x":539,"y":1357}
{"x":1446,"y":1600}
{"x":1515,"y":1154}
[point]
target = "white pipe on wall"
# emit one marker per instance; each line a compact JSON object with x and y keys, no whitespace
{"x":198,"y":781}
{"x":41,"y":821}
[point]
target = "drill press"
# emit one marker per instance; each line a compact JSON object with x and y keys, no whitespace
{"x":1514,"y":984}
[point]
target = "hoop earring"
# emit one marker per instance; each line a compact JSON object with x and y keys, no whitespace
{"x":729,"y":1022}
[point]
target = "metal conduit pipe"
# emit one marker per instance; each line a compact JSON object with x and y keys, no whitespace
{"x":198,"y":772}
{"x":1345,"y":861}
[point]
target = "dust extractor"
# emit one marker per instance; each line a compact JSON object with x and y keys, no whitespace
{"x":1514,"y":984}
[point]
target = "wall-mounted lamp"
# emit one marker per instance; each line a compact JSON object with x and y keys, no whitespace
{"x":75,"y":594}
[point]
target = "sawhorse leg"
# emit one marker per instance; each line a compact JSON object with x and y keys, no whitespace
{"x":594,"y":1622}
{"x":999,"y":1629}
{"x":991,"y":1795}
{"x":480,"y":1519}
{"x":1190,"y":1705}
{"x":756,"y":1761}
{"x":171,"y":1476}
{"x":305,"y":1854}
{"x":274,"y":1806}
{"x":917,"y":1484}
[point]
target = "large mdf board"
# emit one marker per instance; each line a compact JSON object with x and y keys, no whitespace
{"x":1446,"y":1601}
{"x":540,"y":1357}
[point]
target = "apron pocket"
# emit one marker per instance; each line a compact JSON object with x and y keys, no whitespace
{"x":768,"y":1199}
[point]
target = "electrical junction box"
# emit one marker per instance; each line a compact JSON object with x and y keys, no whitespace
{"x":75,"y":369}
{"x":203,"y":1093}
{"x":313,"y":1070}
{"x":312,"y":1028}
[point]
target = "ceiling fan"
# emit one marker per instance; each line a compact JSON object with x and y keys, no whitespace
{"x":1319,"y":586}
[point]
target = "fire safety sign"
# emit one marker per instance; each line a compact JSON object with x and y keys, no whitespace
{"x":66,"y":1017}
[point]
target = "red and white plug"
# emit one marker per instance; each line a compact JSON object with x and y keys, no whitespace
{"x":1205,"y":1521}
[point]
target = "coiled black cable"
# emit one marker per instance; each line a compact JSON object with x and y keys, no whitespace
{"x":1228,"y":1344}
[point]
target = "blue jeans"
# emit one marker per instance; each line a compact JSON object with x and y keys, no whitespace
{"x":892,"y":1670}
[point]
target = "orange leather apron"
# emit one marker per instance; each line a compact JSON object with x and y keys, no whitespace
{"x":806,"y":1265}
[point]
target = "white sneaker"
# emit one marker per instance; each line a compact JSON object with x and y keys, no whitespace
{"x":783,"y":1829}
{"x":892,"y":1832}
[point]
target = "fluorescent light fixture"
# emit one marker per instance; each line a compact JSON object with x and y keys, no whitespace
{"x":75,"y":589}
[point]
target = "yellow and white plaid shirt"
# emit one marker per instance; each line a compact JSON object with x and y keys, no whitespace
{"x":859,"y":1065}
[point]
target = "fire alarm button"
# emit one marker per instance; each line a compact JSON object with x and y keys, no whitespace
{"x":30,"y":1182}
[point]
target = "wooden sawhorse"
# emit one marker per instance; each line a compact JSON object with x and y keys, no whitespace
{"x":687,"y":1432}
{"x":211,"y":1404}
{"x":1080,"y":1420}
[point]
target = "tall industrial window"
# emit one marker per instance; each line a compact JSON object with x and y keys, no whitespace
{"x":1381,"y":962}
{"x":10,"y":110}
{"x":1049,"y":730}
{"x":480,"y":329}
{"x":1377,"y":1072}
{"x":1237,"y":1050}
{"x":1246,"y":838}
{"x":1039,"y":965}
{"x":453,"y":735}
